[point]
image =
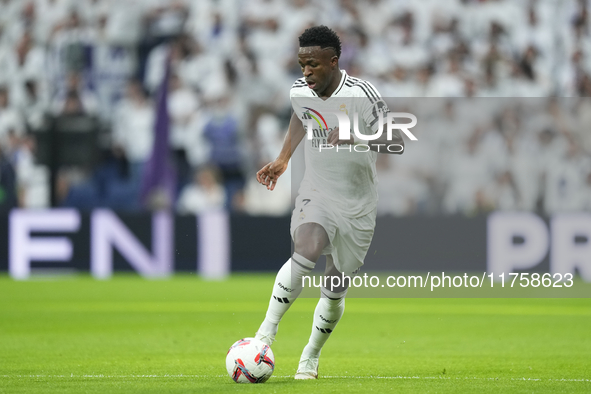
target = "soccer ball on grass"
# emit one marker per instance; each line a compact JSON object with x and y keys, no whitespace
{"x":250,"y":361}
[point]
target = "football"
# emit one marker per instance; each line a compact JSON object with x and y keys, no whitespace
{"x":250,"y":361}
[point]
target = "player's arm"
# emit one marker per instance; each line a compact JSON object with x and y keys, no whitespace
{"x":269,"y":174}
{"x":381,"y":144}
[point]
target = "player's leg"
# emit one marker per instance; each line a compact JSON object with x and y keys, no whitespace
{"x":309,"y":241}
{"x":328,"y":312}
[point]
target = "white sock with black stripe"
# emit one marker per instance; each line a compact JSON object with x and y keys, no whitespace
{"x":328,"y":312}
{"x":286,"y":289}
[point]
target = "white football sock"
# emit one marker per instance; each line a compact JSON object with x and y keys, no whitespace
{"x":328,"y":312}
{"x":286,"y":289}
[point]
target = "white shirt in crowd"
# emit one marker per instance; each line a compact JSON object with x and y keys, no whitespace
{"x":133,"y":129}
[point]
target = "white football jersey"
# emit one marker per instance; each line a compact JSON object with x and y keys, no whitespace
{"x":346,"y":177}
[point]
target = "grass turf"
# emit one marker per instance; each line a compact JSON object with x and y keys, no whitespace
{"x":132,"y":335}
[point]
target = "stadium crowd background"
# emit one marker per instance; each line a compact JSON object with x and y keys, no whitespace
{"x":233,"y":63}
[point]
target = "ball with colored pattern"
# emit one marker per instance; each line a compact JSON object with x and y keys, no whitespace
{"x":250,"y":361}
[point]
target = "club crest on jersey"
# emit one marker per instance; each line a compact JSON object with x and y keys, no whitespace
{"x":343,"y":108}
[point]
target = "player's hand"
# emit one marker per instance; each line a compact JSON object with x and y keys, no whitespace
{"x":269,"y":174}
{"x":333,"y":138}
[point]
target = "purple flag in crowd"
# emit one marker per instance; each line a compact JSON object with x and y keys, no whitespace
{"x":159,"y":178}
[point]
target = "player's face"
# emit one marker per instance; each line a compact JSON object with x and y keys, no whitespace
{"x":317,"y":66}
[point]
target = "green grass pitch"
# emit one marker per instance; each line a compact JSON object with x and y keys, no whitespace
{"x":130,"y":335}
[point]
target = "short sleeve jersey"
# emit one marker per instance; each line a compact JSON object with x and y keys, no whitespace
{"x":345,"y":177}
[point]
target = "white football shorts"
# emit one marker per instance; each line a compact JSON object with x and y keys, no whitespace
{"x":349,"y":237}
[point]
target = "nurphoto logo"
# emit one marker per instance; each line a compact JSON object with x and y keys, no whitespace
{"x":345,"y":128}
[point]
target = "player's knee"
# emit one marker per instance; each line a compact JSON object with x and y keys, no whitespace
{"x":310,"y":249}
{"x":309,"y":241}
{"x":338,"y":284}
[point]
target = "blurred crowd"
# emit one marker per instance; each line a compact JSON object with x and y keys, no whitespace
{"x":233,"y":63}
{"x":482,"y":154}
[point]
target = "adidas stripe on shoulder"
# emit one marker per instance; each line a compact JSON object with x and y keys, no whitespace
{"x":299,"y":83}
{"x":365,"y":86}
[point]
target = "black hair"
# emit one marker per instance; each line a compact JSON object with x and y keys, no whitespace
{"x":321,"y":36}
